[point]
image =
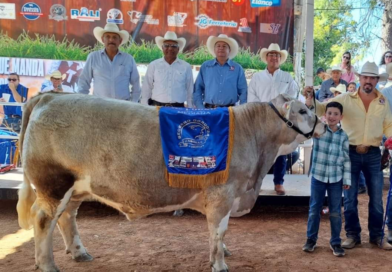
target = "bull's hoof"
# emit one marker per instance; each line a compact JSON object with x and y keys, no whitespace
{"x":224,"y":270}
{"x":178,"y":213}
{"x":84,"y":258}
{"x":47,"y":269}
{"x":226,"y":251}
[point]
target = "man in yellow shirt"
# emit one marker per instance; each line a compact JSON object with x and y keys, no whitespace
{"x":367,"y":118}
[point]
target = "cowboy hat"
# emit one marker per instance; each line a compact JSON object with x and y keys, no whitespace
{"x":341,"y":88}
{"x":112,"y":28}
{"x":334,"y":68}
{"x":273,"y":47}
{"x":371,"y":69}
{"x":170,"y":36}
{"x":212,"y":40}
{"x":55,"y":74}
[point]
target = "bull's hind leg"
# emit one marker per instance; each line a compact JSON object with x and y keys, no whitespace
{"x":218,"y":219}
{"x":46,"y":212}
{"x":69,"y":230}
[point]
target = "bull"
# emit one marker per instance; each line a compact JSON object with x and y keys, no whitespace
{"x":77,"y":147}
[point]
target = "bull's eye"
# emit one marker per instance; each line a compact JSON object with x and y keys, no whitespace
{"x":302,"y":111}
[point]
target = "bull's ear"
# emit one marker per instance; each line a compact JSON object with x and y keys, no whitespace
{"x":286,"y":108}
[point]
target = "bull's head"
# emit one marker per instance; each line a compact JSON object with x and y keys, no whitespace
{"x":300,"y":116}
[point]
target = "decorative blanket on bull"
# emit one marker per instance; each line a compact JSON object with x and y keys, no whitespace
{"x":197,"y":145}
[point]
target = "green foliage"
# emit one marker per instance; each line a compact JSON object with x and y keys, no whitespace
{"x":47,"y":47}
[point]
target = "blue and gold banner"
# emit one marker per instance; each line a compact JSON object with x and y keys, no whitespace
{"x":196,"y":145}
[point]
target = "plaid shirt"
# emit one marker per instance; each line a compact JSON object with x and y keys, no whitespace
{"x":331,"y":160}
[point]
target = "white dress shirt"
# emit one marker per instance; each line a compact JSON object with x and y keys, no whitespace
{"x":264,"y":87}
{"x":65,"y":88}
{"x":167,"y":83}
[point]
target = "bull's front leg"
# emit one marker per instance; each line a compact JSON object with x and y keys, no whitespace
{"x":218,"y":220}
{"x":69,"y":231}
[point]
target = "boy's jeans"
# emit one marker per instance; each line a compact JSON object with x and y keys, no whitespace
{"x":280,"y":169}
{"x":317,"y":197}
{"x":370,"y":165}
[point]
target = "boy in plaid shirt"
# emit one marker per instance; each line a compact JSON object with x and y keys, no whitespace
{"x":331,"y":172}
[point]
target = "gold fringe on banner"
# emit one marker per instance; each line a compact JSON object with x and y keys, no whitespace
{"x":204,"y":181}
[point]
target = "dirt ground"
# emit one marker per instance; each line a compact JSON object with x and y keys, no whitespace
{"x":268,"y":239}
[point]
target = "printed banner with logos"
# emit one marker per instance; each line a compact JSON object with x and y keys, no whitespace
{"x":196,"y":145}
{"x":253,"y":23}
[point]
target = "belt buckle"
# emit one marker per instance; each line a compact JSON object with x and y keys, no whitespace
{"x":168,"y":105}
{"x":362,"y":149}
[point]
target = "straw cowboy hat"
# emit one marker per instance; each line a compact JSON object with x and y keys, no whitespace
{"x":170,"y":36}
{"x":334,"y":68}
{"x":112,"y":28}
{"x":341,"y":88}
{"x":371,"y":69}
{"x":274,"y":47}
{"x":55,"y":74}
{"x":212,"y":40}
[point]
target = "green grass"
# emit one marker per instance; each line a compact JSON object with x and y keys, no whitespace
{"x":47,"y":47}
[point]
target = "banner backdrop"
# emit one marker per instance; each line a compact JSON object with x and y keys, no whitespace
{"x":253,"y":23}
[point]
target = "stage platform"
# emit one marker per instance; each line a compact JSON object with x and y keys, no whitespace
{"x":297,"y":188}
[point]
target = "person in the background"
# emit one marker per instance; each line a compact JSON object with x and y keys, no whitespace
{"x":111,"y":69}
{"x":13,"y":92}
{"x":168,"y":80}
{"x":352,"y":87}
{"x":322,"y":74}
{"x":56,"y":79}
{"x":340,"y":89}
{"x":221,"y":81}
{"x":348,"y":74}
{"x":334,"y":81}
{"x":386,"y":58}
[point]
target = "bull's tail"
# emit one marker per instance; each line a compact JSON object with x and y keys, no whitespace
{"x":26,"y":193}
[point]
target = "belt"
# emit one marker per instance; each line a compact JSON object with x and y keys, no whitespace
{"x":362,"y":149}
{"x":156,"y":103}
{"x":14,"y":116}
{"x":213,"y":106}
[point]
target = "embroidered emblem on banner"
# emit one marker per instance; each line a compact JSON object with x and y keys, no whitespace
{"x":58,"y":13}
{"x":115,"y":16}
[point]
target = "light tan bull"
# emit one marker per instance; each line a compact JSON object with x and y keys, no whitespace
{"x":78,"y":147}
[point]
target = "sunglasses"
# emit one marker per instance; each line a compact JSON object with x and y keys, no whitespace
{"x":345,"y":57}
{"x":388,"y":56}
{"x":12,"y":79}
{"x":165,"y":45}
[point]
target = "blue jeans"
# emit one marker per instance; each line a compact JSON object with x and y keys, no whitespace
{"x":317,"y":197}
{"x":370,"y":165}
{"x":362,"y":182}
{"x":280,"y":169}
{"x":291,"y":159}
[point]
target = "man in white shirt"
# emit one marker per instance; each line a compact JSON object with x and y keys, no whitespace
{"x":56,"y":79}
{"x":169,"y":80}
{"x":265,"y":86}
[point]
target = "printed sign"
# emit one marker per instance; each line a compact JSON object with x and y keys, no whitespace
{"x":222,"y":1}
{"x":238,"y":2}
{"x":58,"y":13}
{"x":269,"y":28}
{"x":7,"y":11}
{"x":177,"y":19}
{"x":86,"y":15}
{"x":115,"y":16}
{"x":31,"y":11}
{"x":264,"y":3}
{"x":244,"y":27}
{"x":204,"y":22}
{"x":137,"y":17}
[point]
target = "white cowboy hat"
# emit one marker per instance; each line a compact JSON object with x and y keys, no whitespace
{"x":170,"y":36}
{"x":371,"y":69}
{"x":334,"y":68}
{"x":341,"y":88}
{"x":212,"y":40}
{"x":112,"y":28}
{"x":56,"y":74}
{"x":273,"y":47}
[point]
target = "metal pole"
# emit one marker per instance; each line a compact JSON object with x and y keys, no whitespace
{"x":309,"y":43}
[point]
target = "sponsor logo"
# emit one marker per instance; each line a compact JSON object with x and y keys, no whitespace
{"x":137,"y":17}
{"x":23,"y":67}
{"x":204,"y":22}
{"x":31,"y":11}
{"x":7,"y":11}
{"x":86,"y":15}
{"x":177,"y":19}
{"x":115,"y":16}
{"x":221,"y":1}
{"x":269,"y":28}
{"x":264,"y":3}
{"x":58,"y":13}
{"x":193,"y":133}
{"x":238,"y":2}
{"x":244,"y":27}
{"x":206,"y":162}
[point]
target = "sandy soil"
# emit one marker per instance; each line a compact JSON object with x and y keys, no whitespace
{"x":268,"y":239}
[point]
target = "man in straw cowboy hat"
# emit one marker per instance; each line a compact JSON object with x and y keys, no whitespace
{"x":111,"y":69}
{"x":169,"y":80}
{"x":340,"y":89}
{"x":56,"y":79}
{"x":367,"y":118}
{"x":265,"y":86}
{"x":336,"y":74}
{"x":221,"y":81}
